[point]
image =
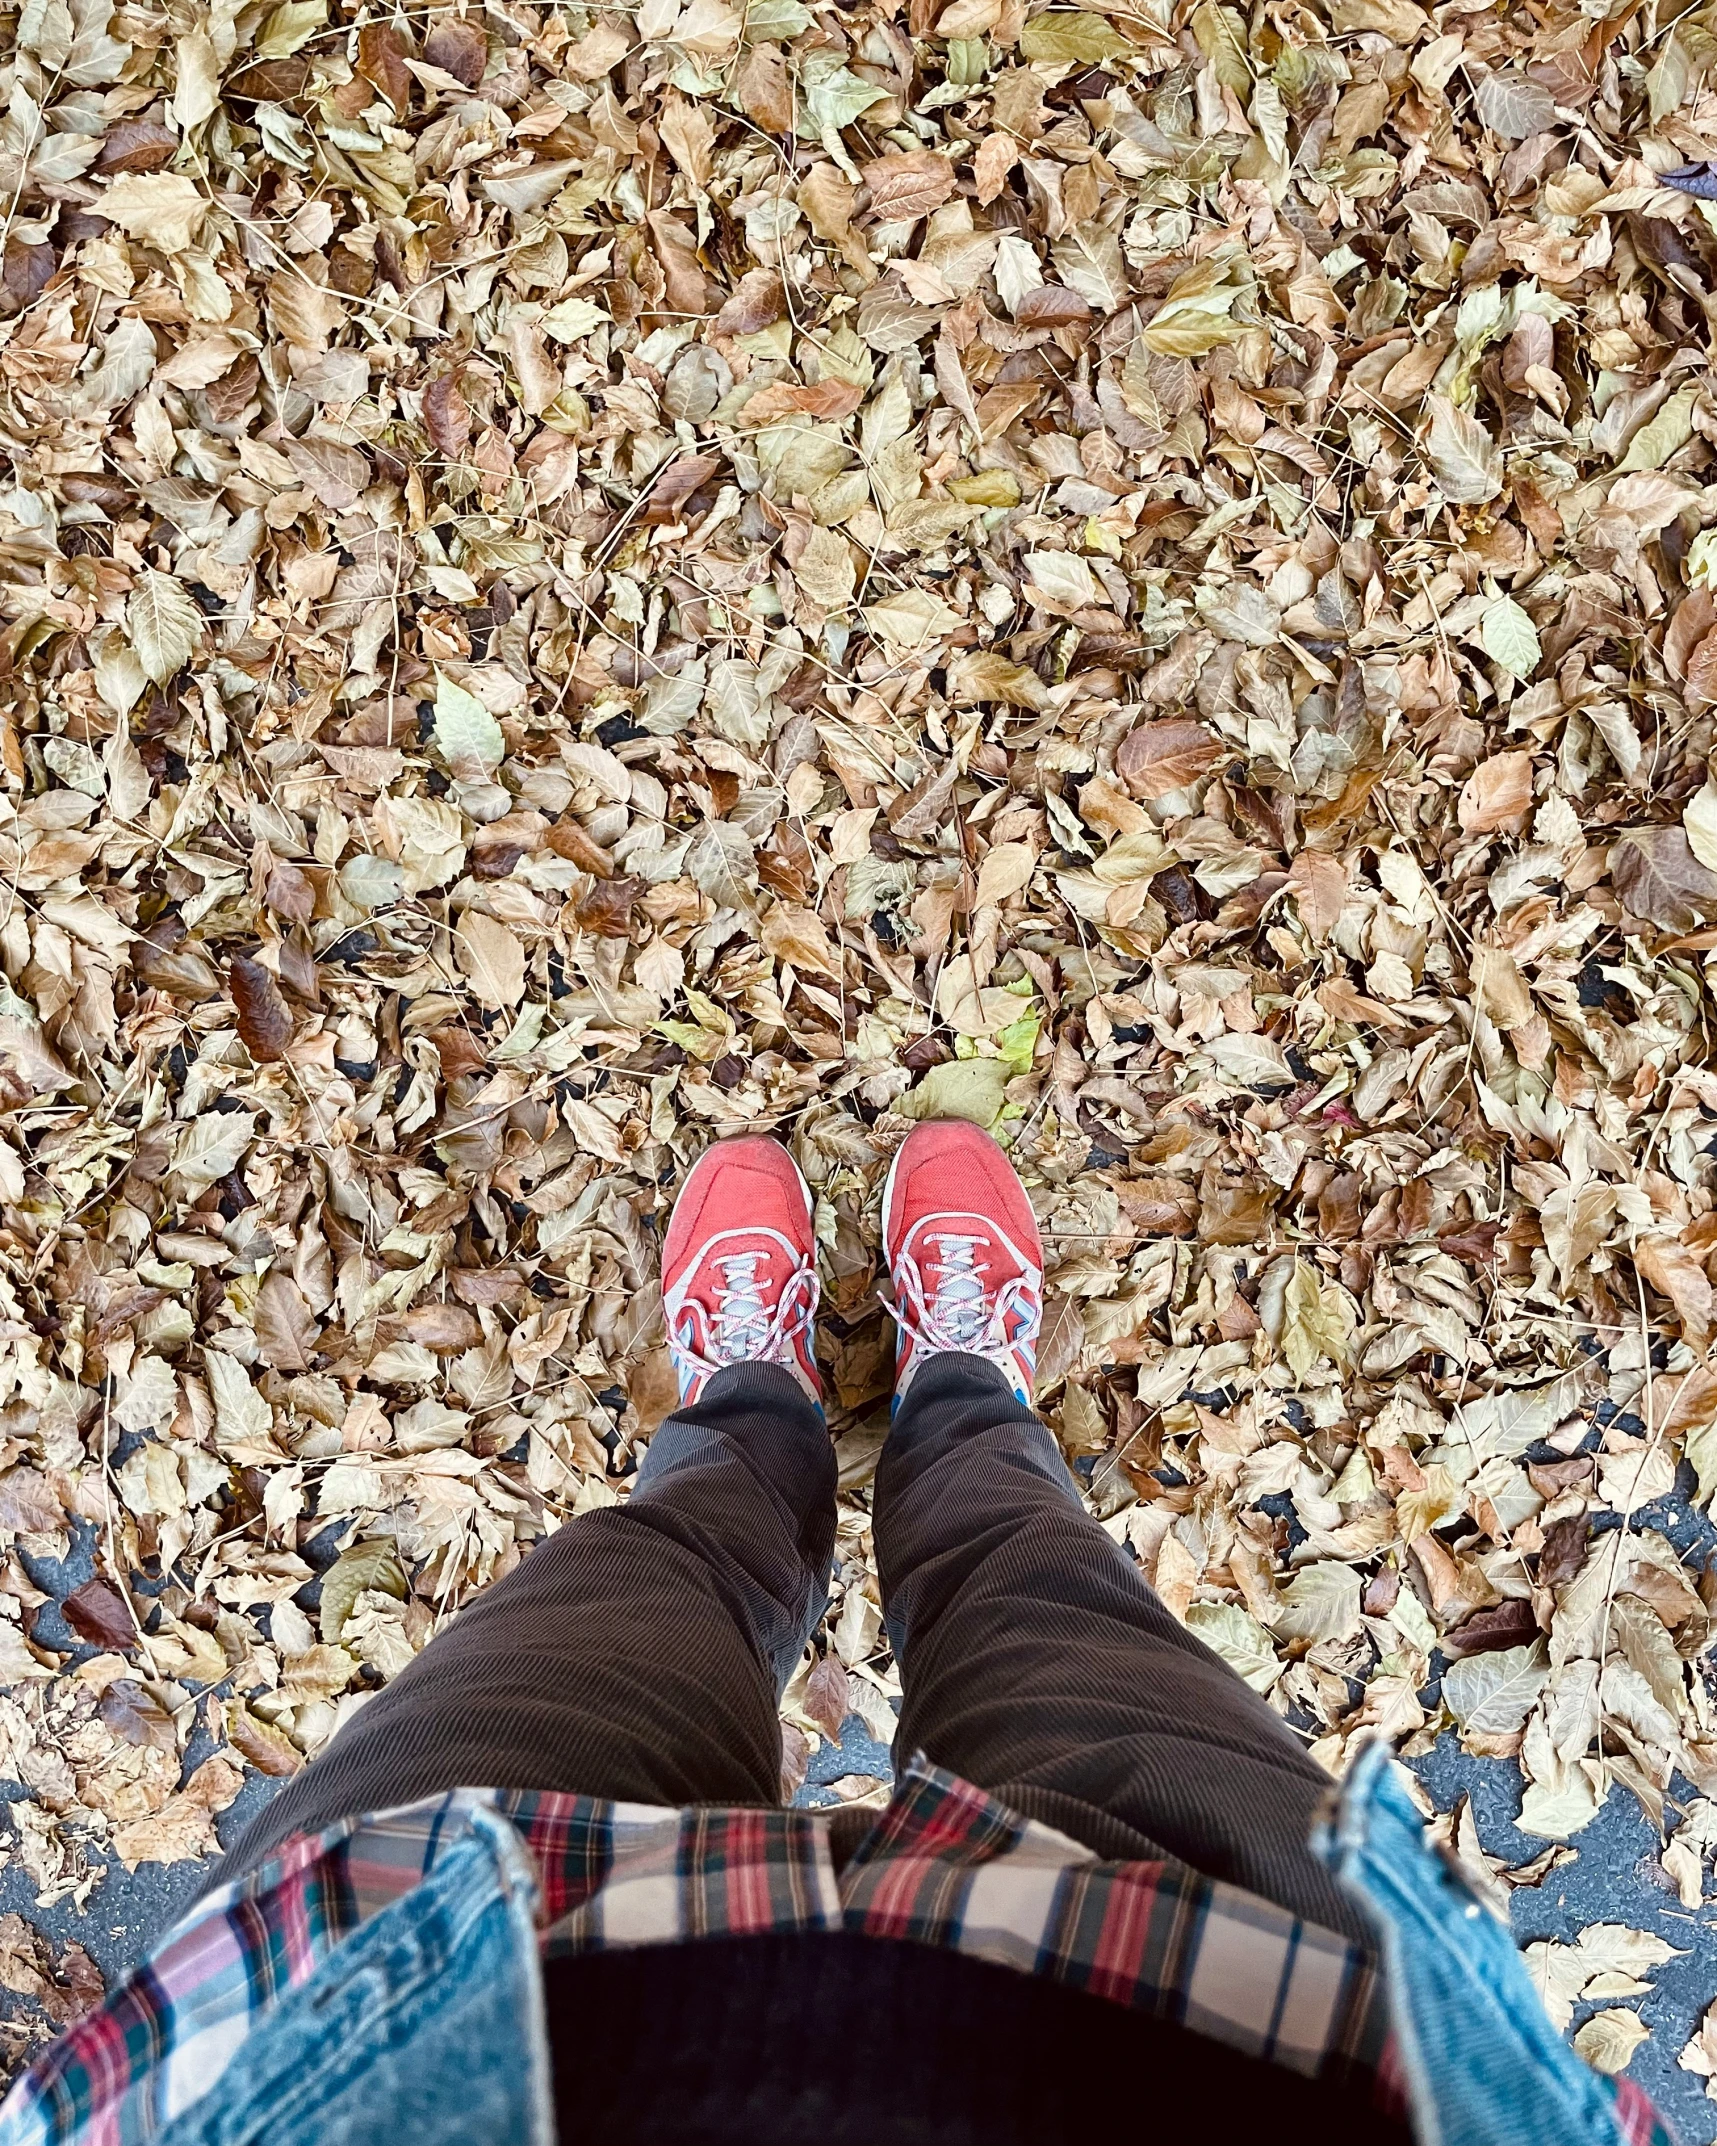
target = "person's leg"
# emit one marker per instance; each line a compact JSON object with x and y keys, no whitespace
{"x":1036,"y":1661}
{"x":636,"y":1653}
{"x":639,"y":1652}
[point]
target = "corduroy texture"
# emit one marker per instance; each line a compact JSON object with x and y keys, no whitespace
{"x":1038,"y":1663}
{"x":638,"y":1652}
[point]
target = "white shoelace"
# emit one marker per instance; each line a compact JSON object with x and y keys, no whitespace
{"x":743,"y":1330}
{"x":957,"y":1314}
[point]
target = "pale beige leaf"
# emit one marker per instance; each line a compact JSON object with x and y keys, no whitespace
{"x":491,"y":958}
{"x":163,"y":622}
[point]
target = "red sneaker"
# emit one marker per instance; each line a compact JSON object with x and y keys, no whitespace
{"x":962,"y":1245}
{"x":739,"y":1268}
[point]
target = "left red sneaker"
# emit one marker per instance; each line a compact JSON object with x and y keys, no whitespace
{"x":739,"y":1268}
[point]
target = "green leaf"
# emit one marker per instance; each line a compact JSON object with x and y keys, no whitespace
{"x":1018,"y":1041}
{"x":1195,"y":316}
{"x":833,"y":100}
{"x":774,"y":22}
{"x":1221,"y":38}
{"x":464,"y":728}
{"x":1510,"y":638}
{"x":970,"y":1088}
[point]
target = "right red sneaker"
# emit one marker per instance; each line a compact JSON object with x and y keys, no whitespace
{"x":962,"y":1245}
{"x":739,"y":1267}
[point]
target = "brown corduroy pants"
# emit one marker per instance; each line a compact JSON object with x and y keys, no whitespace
{"x":639,"y":1652}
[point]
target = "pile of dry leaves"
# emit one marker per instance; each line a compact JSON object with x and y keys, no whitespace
{"x":578,"y":580}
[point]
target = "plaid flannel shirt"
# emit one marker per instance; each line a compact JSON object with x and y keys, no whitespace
{"x":944,"y":1864}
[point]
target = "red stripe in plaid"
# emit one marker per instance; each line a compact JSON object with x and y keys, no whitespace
{"x":1641,"y":2125}
{"x":572,"y":1847}
{"x":750,"y":1906}
{"x":1118,"y":1956}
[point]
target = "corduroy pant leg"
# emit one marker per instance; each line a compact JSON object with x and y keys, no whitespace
{"x":637,"y":1653}
{"x":1038,"y":1664}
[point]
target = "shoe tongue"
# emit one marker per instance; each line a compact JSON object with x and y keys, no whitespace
{"x":960,"y":1296}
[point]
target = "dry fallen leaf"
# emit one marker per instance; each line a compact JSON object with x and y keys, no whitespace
{"x":698,"y":571}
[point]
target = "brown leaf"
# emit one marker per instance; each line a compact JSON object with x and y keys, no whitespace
{"x":381,"y":61}
{"x":824,"y":399}
{"x":184,"y":1827}
{"x":28,"y":1503}
{"x":63,"y":1987}
{"x":687,"y":290}
{"x":607,"y":909}
{"x":289,"y":894}
{"x":1489,"y":1631}
{"x":1658,"y":878}
{"x":264,"y":1018}
{"x":486,"y":1285}
{"x":459,"y":49}
{"x":1701,"y":671}
{"x":765,"y":90}
{"x":25,"y":270}
{"x":1159,"y":1206}
{"x":828,"y":1696}
{"x":1564,"y":1551}
{"x":1051,"y":305}
{"x":444,"y":1328}
{"x":459,"y":1051}
{"x":337,"y":474}
{"x":136,"y":1716}
{"x":907,"y":185}
{"x":286,"y":1333}
{"x":270,"y":81}
{"x":1319,"y":884}
{"x":1676,"y":1272}
{"x":98,"y":1612}
{"x":796,"y":934}
{"x":676,"y":483}
{"x":759,"y":300}
{"x":137,"y":145}
{"x":263,"y":1747}
{"x":568,"y":839}
{"x":491,"y":959}
{"x":446,"y":418}
{"x":1156,"y":758}
{"x":1498,"y":793}
{"x":828,"y":198}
